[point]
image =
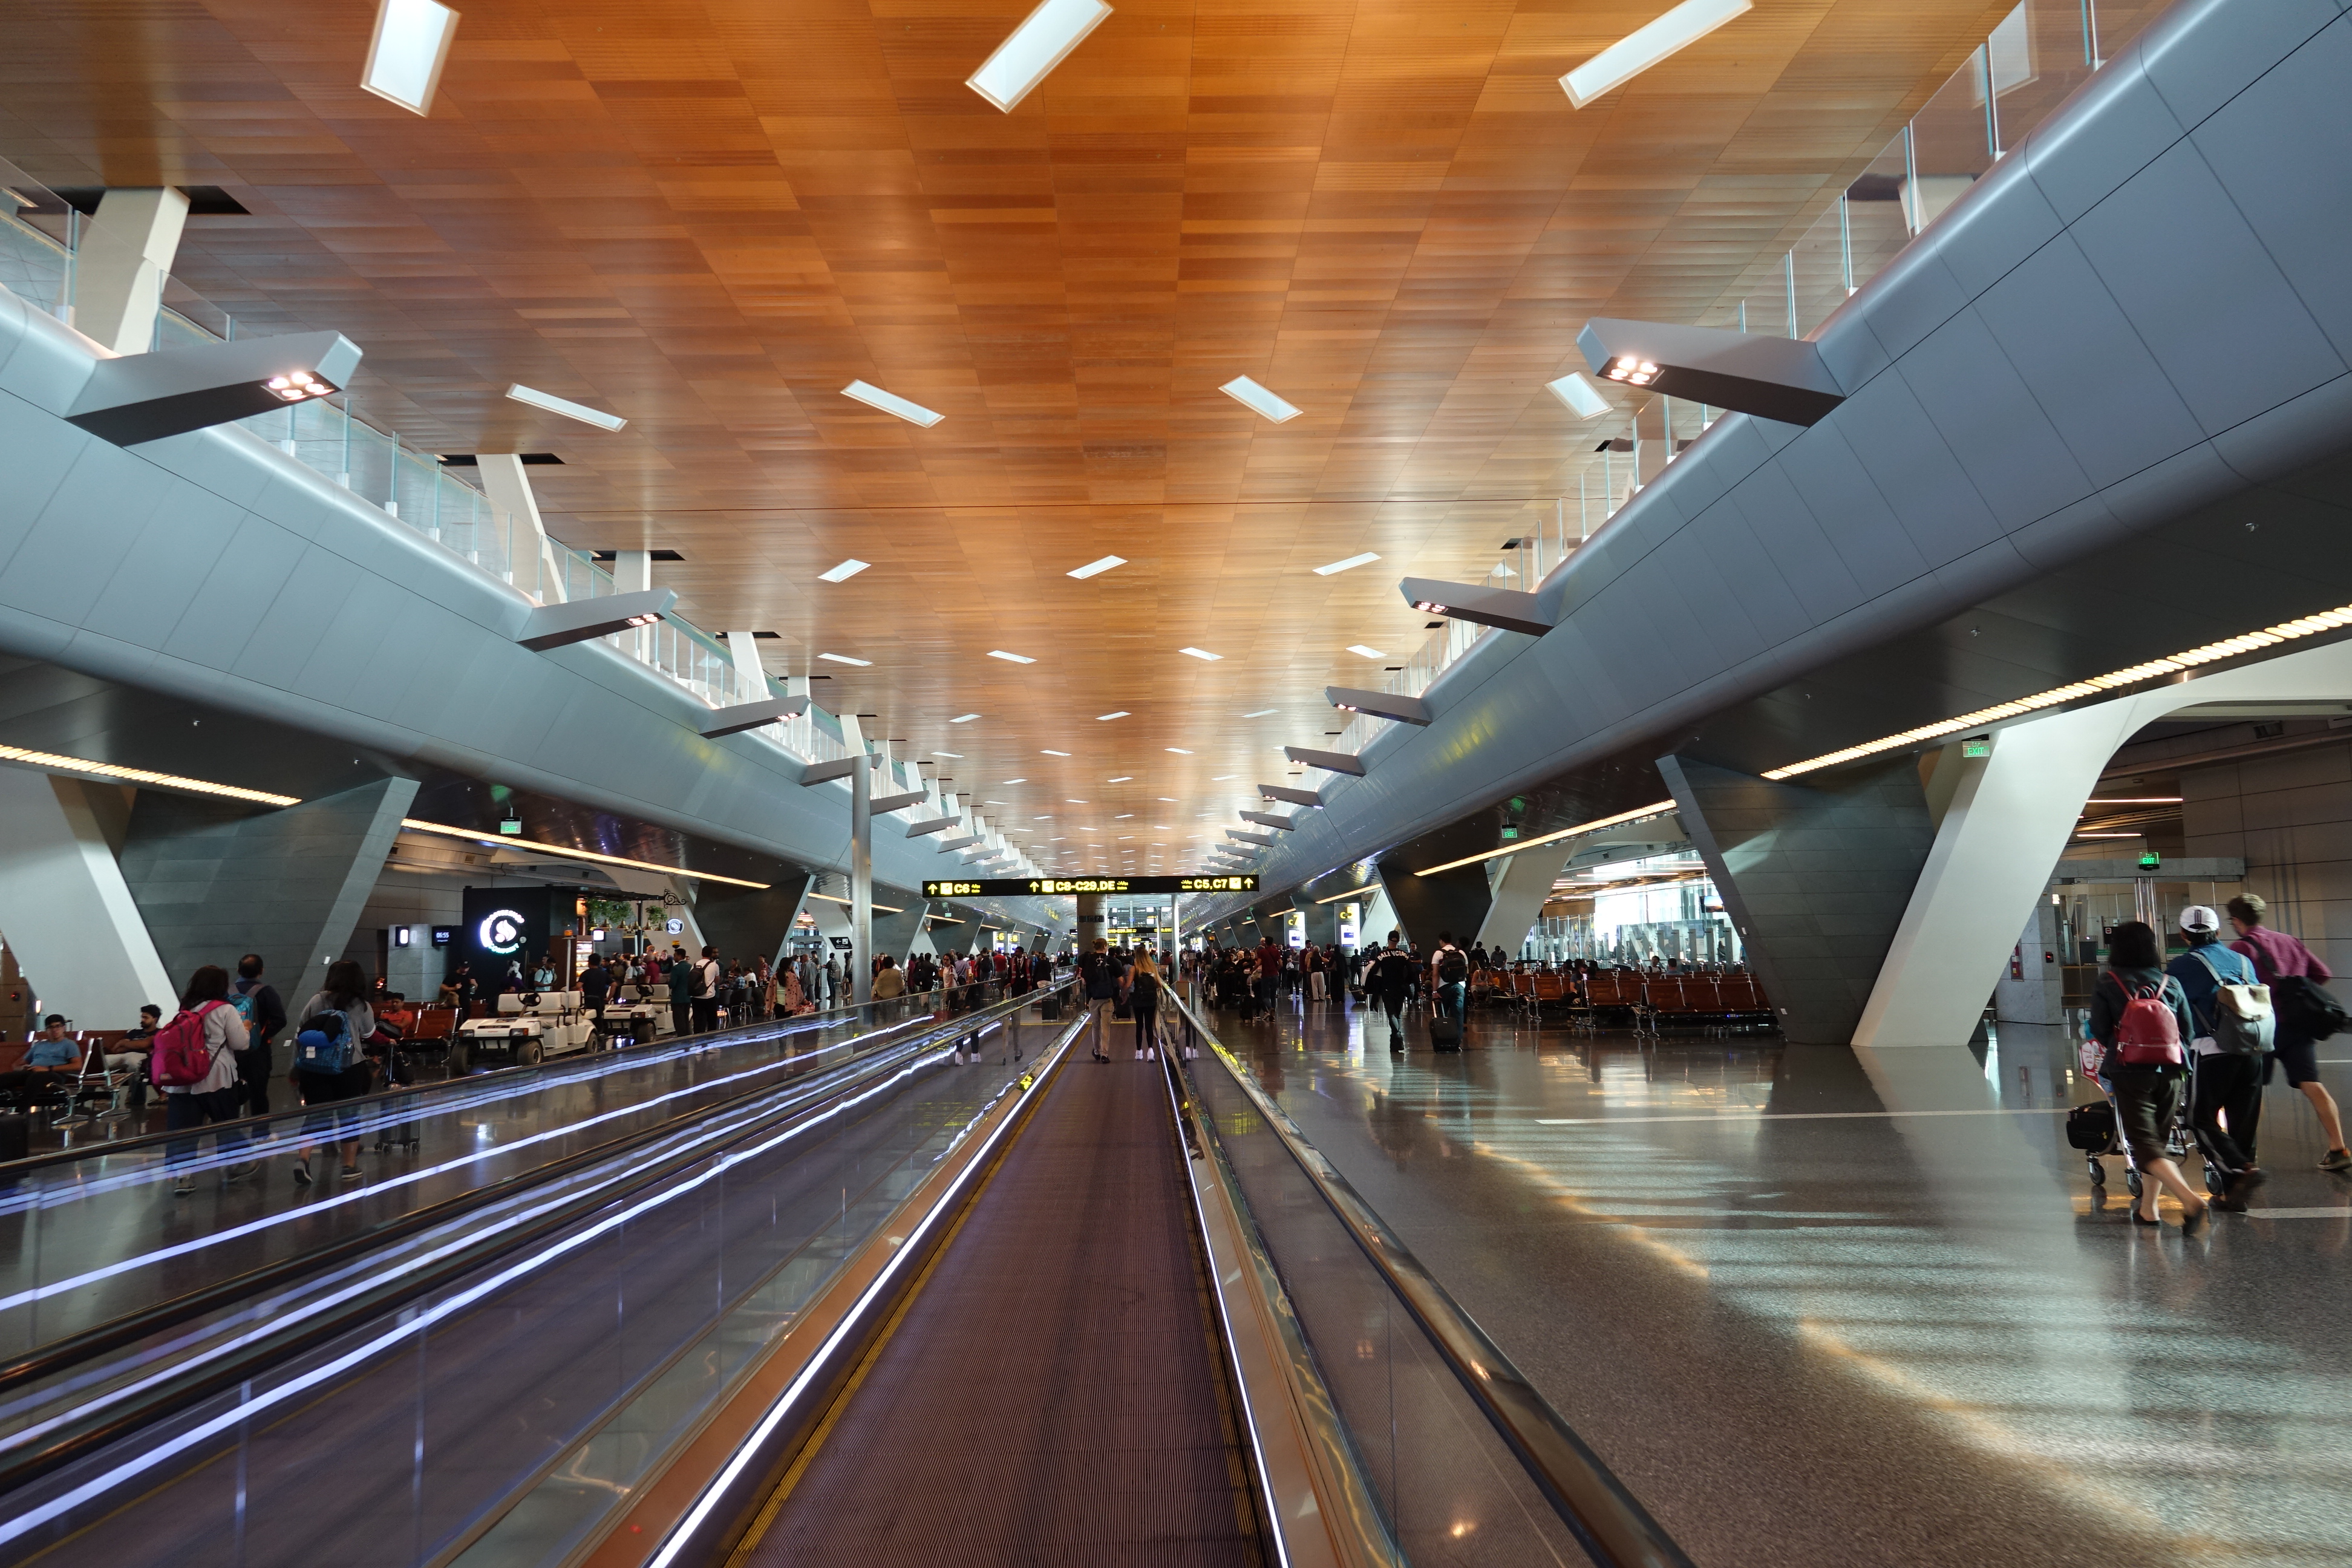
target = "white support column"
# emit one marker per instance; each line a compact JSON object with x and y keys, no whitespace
{"x":119,"y":270}
{"x":508,"y":491}
{"x":1521,"y":891}
{"x":67,"y":911}
{"x":632,"y":571}
{"x":743,"y":648}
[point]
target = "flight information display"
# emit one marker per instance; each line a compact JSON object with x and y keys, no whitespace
{"x":1049,"y":887}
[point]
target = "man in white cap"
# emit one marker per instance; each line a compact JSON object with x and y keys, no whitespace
{"x":2229,"y":1098}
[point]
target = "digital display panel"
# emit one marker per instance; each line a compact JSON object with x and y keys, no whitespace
{"x":1050,"y":887}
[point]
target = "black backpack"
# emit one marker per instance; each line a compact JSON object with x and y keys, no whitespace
{"x":1456,"y":969}
{"x":2305,"y":1007}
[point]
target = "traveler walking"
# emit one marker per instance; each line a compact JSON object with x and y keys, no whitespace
{"x":2233,"y":1030}
{"x":1143,"y":998}
{"x":195,"y":1062}
{"x":262,"y":1012}
{"x":330,"y":1064}
{"x":707,"y":975}
{"x":2286,"y":966}
{"x":679,"y":976}
{"x":1099,"y":977}
{"x":1449,"y":985}
{"x":1387,"y":980}
{"x":2139,"y":1018}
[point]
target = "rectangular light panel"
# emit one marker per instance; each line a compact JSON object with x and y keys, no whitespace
{"x":565,"y":406}
{"x":963,"y":718}
{"x":891,"y":403}
{"x":1259,"y":714}
{"x":410,"y":47}
{"x":845,"y":572}
{"x":1096,"y":568}
{"x":845,"y":658}
{"x":1359,"y":648}
{"x":1010,"y":658}
{"x":1043,"y":40}
{"x":1366,"y":558}
{"x":1644,"y":47}
{"x":1121,"y":714}
{"x":1258,"y":400}
{"x":1201,"y":653}
{"x":1583,"y":398}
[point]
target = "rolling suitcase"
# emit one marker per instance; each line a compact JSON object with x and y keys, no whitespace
{"x":1444,"y":1034}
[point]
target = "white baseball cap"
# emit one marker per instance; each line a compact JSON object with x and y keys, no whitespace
{"x":2199,"y":917}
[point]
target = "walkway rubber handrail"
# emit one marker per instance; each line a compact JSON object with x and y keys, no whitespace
{"x":249,"y":1125}
{"x":1615,"y":1527}
{"x":75,"y":1443}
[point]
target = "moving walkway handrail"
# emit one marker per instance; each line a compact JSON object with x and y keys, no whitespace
{"x":271,"y":1348}
{"x":1589,"y":1497}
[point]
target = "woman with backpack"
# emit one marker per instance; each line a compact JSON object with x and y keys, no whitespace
{"x":2139,"y":1018}
{"x":1143,"y":999}
{"x":195,"y":1062}
{"x":329,"y":1064}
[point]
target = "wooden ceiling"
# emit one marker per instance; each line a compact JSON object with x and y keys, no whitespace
{"x":709,"y":217}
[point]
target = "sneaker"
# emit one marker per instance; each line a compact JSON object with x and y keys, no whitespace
{"x":301,"y":1172}
{"x":350,"y":1172}
{"x":2336,"y":1160}
{"x":1139,"y":1053}
{"x":183,"y":1186}
{"x":237,"y":1172}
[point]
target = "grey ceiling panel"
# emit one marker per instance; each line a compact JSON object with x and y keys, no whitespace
{"x":2281,"y":151}
{"x":2086,"y":368}
{"x":2203,"y":53}
{"x":2272,"y":450}
{"x":61,"y":564}
{"x":147,"y":590}
{"x":1917,"y":474}
{"x":1733,"y":551}
{"x":1703,"y":606}
{"x":318,"y":592}
{"x":2203,"y":335}
{"x":2078,"y":160}
{"x":1853,"y":516}
{"x":1993,"y":424}
{"x":2052,"y":542}
{"x":1997,"y":223}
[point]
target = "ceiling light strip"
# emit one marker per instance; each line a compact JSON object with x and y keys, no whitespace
{"x":497,"y":841}
{"x":837,"y":899}
{"x":2134,"y":675}
{"x":1658,"y":808}
{"x":51,"y":762}
{"x":565,"y":406}
{"x":1647,"y":46}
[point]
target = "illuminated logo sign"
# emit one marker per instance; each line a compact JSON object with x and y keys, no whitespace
{"x":501,"y":932}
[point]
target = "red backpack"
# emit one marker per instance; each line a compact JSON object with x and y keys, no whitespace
{"x":178,"y":1056}
{"x":2148,"y":1034}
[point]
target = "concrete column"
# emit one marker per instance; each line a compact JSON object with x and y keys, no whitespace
{"x":751,"y":922}
{"x":1519,"y":893}
{"x":65,"y":909}
{"x":1454,"y":901}
{"x":2032,"y":988}
{"x":1815,"y":878}
{"x":126,"y":252}
{"x":894,"y":935}
{"x":1090,"y":920}
{"x":633,"y":572}
{"x":216,"y":881}
{"x":743,"y":650}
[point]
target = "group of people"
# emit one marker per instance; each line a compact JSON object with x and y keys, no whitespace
{"x":1127,"y":980}
{"x":1249,"y":981}
{"x":2214,"y":1052}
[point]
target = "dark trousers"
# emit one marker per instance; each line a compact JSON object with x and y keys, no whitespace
{"x":2228,"y":1086}
{"x":252,"y":1070}
{"x":185,"y":1111}
{"x":1147,"y":1024}
{"x":705,"y":1015}
{"x":1393,"y":1004}
{"x":681,"y":1012}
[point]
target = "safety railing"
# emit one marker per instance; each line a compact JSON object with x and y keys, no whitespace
{"x":1466,"y":1461}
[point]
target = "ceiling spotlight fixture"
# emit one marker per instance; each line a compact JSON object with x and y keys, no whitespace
{"x":1010,"y":658}
{"x":1783,"y":379}
{"x":1359,"y":649}
{"x":1392,"y":705}
{"x":1366,"y":558}
{"x":565,"y":406}
{"x":845,"y":572}
{"x":1258,"y":400}
{"x":1122,"y":713}
{"x":1201,"y":653}
{"x":1505,"y":608}
{"x":296,"y":385}
{"x":1646,"y":47}
{"x":1097,"y":568}
{"x":963,"y":718}
{"x":1583,"y":398}
{"x":1029,"y":54}
{"x":845,"y":658}
{"x":406,"y":56}
{"x":891,"y":403}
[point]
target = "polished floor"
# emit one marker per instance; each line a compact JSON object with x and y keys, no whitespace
{"x":1814,"y":1311}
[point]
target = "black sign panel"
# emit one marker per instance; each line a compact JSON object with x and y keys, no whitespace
{"x":1053,"y":886}
{"x":503,"y":926}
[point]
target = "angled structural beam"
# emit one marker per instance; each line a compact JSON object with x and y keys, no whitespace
{"x":1505,"y":608}
{"x":1267,"y":819}
{"x":1329,"y":762}
{"x":826,"y":771}
{"x":1259,"y":839}
{"x":1772,"y":378}
{"x":145,"y":398}
{"x":963,"y":841}
{"x":930,"y":826}
{"x":1291,"y":796}
{"x":1378,"y":704}
{"x":585,"y":620}
{"x":900,"y":801}
{"x":742,"y":716}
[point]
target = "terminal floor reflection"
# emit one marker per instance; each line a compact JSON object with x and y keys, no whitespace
{"x":1807,"y":1325}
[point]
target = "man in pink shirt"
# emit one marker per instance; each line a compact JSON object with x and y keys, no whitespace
{"x":2275,"y":953}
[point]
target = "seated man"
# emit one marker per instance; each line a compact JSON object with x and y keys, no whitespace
{"x":131,"y":1053}
{"x":52,"y":1062}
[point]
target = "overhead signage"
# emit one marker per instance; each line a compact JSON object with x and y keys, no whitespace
{"x":1051,"y":887}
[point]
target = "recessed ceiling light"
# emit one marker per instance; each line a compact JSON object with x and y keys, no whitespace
{"x":1223,"y":777}
{"x":1073,"y":801}
{"x":1123,"y":778}
{"x":1644,"y":47}
{"x":1010,"y":658}
{"x":963,"y":718}
{"x":1161,"y":827}
{"x":1583,"y":398}
{"x":1122,"y":817}
{"x":1259,"y":714}
{"x":845,"y":572}
{"x":1366,"y":558}
{"x":891,"y":403}
{"x":1049,"y":752}
{"x":845,"y":658}
{"x":1201,"y":653}
{"x":1029,"y":54}
{"x":1016,"y":781}
{"x":1122,"y":713}
{"x":1168,"y":800}
{"x":1356,"y":648}
{"x":1258,"y":400}
{"x":1179,"y":750}
{"x":957,"y":755}
{"x":1047,"y":818}
{"x":411,"y":45}
{"x":565,"y":406}
{"x":1096,"y":568}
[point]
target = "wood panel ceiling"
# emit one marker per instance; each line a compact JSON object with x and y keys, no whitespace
{"x":711,"y":216}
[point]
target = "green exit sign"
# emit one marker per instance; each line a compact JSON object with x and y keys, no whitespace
{"x":2150,"y":860}
{"x":1977,"y":746}
{"x":510,"y":825}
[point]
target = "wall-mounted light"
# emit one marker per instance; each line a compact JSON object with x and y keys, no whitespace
{"x":1329,"y":762}
{"x":1772,"y":378}
{"x":1293,"y":796}
{"x":145,"y":398}
{"x":1507,"y":609}
{"x":741,"y":716}
{"x":585,"y":620}
{"x":1378,"y":704}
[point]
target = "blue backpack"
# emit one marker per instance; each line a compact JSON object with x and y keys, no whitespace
{"x":325,"y":1044}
